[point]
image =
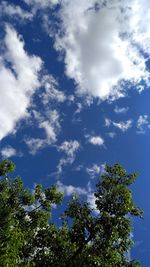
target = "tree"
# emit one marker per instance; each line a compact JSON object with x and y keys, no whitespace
{"x":85,"y":238}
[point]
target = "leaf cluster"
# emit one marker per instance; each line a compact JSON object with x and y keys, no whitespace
{"x":85,"y":238}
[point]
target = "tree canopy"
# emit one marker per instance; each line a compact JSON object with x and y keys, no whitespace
{"x":102,"y":237}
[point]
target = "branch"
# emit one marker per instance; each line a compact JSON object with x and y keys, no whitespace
{"x":29,"y":212}
{"x":80,"y":248}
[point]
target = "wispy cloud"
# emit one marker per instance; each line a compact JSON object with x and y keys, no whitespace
{"x":121,"y":110}
{"x":122,"y":125}
{"x":142,"y":124}
{"x":51,"y":90}
{"x":35,"y":144}
{"x":95,"y":170}
{"x":50,"y":124}
{"x":70,"y":148}
{"x":107,"y":122}
{"x":111,"y":134}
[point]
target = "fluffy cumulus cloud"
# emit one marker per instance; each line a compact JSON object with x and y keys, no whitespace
{"x":96,"y":140}
{"x":8,"y":152}
{"x":19,"y":78}
{"x":104,"y":43}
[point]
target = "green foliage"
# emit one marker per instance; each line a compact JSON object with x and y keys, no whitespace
{"x":6,"y":167}
{"x":85,"y":238}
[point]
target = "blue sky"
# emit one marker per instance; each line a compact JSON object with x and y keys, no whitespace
{"x":74,"y":78}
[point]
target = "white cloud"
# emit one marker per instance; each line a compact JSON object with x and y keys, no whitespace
{"x":79,"y":108}
{"x":140,"y":88}
{"x":62,"y":162}
{"x":122,"y":125}
{"x":103,"y":47}
{"x":49,"y":130}
{"x":35,"y":144}
{"x":96,"y":140}
{"x":69,"y":147}
{"x":50,"y":123}
{"x":51,"y":126}
{"x":55,"y":2}
{"x":91,"y":197}
{"x":122,"y":110}
{"x":51,"y":90}
{"x":143,"y":123}
{"x":95,"y":170}
{"x":91,"y":200}
{"x":107,"y":122}
{"x":111,"y":134}
{"x":68,"y":190}
{"x":71,"y":99}
{"x":15,"y":11}
{"x":42,"y":3}
{"x":19,"y":80}
{"x":8,"y":152}
{"x":78,"y":167}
